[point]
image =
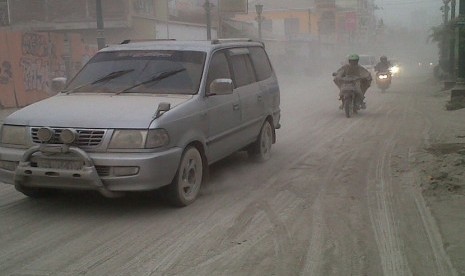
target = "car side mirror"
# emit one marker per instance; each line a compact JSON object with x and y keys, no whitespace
{"x":334,"y":74}
{"x":58,"y":84}
{"x":221,"y":87}
{"x":162,"y":108}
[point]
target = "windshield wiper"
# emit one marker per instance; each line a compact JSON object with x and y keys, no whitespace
{"x":110,"y":76}
{"x":155,"y":78}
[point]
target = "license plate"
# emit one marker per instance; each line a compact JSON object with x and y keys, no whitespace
{"x":60,"y":164}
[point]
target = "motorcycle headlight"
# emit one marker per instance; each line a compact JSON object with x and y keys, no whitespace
{"x":14,"y":135}
{"x":138,"y":139}
{"x":395,"y":69}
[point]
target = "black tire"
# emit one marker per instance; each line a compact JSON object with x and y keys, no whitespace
{"x":35,"y":192}
{"x":188,"y":179}
{"x":260,"y":150}
{"x":348,"y":106}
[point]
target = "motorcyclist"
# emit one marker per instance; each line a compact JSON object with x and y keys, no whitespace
{"x":355,"y":70}
{"x":383,"y":65}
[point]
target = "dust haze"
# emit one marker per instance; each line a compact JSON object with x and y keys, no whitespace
{"x":401,"y":33}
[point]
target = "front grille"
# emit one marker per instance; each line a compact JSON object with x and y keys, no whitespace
{"x":87,"y":137}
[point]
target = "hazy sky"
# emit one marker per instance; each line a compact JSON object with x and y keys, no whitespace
{"x":410,"y":13}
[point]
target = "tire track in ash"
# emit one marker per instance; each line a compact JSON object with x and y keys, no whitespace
{"x":314,"y":263}
{"x":259,"y":205}
{"x":314,"y":259}
{"x":231,"y":245}
{"x":381,"y":201}
{"x":384,"y":209}
{"x":384,"y":240}
{"x":443,"y":264}
{"x":385,"y":226}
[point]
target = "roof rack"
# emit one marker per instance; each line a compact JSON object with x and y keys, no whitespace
{"x":226,"y":40}
{"x":127,"y":41}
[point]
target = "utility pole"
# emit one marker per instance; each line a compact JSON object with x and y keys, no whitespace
{"x":208,"y":8}
{"x":100,"y":27}
{"x":167,"y":19}
{"x":445,"y":38}
{"x":259,"y":18}
{"x":452,"y":63}
{"x":458,"y":92}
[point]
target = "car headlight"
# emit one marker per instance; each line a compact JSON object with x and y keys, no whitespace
{"x":14,"y":135}
{"x":138,"y":139}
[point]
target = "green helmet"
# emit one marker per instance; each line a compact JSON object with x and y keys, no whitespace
{"x":354,"y":57}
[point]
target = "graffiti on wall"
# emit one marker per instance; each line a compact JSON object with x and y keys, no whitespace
{"x":35,"y":74}
{"x":29,"y":62}
{"x":35,"y":61}
{"x":6,"y":73}
{"x":40,"y":62}
{"x":34,"y":45}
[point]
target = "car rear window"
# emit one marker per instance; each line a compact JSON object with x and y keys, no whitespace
{"x":261,"y":63}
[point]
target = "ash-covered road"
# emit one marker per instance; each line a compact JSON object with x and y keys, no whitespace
{"x":338,"y":197}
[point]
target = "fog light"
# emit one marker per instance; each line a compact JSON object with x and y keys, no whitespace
{"x":45,"y":134}
{"x":68,"y":136}
{"x":125,"y":171}
{"x":8,"y":165}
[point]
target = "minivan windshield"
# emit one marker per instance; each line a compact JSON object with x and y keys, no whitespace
{"x":137,"y":71}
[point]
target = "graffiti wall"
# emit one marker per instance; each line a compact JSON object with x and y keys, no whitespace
{"x":29,"y":61}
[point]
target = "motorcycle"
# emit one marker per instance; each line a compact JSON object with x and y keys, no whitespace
{"x":351,"y":101}
{"x":383,"y":80}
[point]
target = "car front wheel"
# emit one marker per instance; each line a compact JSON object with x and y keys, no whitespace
{"x":186,"y":184}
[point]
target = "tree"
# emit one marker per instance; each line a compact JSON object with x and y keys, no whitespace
{"x":440,"y":34}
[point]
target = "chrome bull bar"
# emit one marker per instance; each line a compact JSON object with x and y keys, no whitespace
{"x":28,"y":175}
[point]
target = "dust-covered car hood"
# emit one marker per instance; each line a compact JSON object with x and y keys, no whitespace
{"x":94,"y":111}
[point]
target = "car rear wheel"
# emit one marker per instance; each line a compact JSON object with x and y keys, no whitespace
{"x":186,"y":184}
{"x":261,"y":149}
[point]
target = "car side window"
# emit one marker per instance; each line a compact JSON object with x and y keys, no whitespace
{"x":219,"y":69}
{"x":242,"y":69}
{"x":261,"y":63}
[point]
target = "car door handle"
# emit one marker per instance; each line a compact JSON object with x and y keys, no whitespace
{"x":235,"y":106}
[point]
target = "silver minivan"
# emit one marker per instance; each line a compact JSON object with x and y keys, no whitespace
{"x":144,"y":115}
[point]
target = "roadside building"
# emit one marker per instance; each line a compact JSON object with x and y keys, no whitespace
{"x":44,"y":39}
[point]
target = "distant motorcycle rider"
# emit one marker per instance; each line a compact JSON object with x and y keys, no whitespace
{"x":355,"y":70}
{"x":383,"y":65}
